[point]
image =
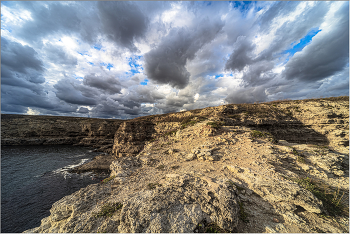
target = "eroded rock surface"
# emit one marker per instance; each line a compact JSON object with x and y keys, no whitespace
{"x":58,"y":130}
{"x":241,"y":168}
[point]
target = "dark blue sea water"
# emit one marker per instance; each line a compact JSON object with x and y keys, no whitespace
{"x":34,"y":177}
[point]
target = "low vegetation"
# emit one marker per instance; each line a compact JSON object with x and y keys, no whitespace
{"x":170,"y":133}
{"x":215,"y":125}
{"x":214,"y":228}
{"x":108,"y":210}
{"x":258,"y":134}
{"x":161,"y":167}
{"x":190,"y":122}
{"x":153,"y":185}
{"x":107,"y":180}
{"x":300,"y":156}
{"x":331,"y":199}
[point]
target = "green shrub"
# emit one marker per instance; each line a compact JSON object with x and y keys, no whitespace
{"x":153,"y":185}
{"x":107,"y":180}
{"x":234,"y":116}
{"x":170,"y":133}
{"x":215,"y":125}
{"x":300,"y":159}
{"x":214,"y":228}
{"x":108,"y":210}
{"x":190,"y":123}
{"x":331,"y":200}
{"x":257,"y":134}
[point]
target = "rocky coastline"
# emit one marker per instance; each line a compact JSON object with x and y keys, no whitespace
{"x":281,"y":166}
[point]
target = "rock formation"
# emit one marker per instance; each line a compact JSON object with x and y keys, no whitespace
{"x":58,"y":130}
{"x":269,"y":167}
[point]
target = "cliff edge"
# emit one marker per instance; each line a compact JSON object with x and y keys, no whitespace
{"x":269,"y":167}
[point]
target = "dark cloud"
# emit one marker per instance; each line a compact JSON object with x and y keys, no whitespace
{"x":247,"y":95}
{"x":240,"y":56}
{"x":111,"y":108}
{"x":214,"y":39}
{"x":326,"y":55}
{"x":122,"y":22}
{"x":21,"y":78}
{"x":68,"y":92}
{"x":57,"y":55}
{"x":48,"y":18}
{"x":292,"y":31}
{"x":11,"y":108}
{"x":258,"y":73}
{"x":277,"y":9}
{"x":166,"y":63}
{"x":83,"y":110}
{"x":19,"y":96}
{"x":108,"y":84}
{"x":20,"y":59}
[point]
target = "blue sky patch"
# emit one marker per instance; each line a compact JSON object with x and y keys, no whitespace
{"x":6,"y":28}
{"x":219,"y":75}
{"x":144,"y":82}
{"x":77,"y":77}
{"x":90,"y":63}
{"x":97,"y":47}
{"x":242,"y":5}
{"x":302,"y":43}
{"x":109,"y":66}
{"x":84,"y":53}
{"x":134,"y":66}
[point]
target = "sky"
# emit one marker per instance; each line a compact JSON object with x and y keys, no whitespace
{"x":128,"y":59}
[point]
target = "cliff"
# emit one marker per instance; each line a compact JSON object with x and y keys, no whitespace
{"x":270,"y":167}
{"x":58,"y":130}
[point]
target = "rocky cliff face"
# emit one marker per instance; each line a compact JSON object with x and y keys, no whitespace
{"x":53,"y":130}
{"x":271,"y":167}
{"x":314,"y":121}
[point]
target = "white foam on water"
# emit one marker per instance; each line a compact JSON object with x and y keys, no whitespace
{"x":65,"y":169}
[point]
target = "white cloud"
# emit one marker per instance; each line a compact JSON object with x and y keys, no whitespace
{"x":198,"y":50}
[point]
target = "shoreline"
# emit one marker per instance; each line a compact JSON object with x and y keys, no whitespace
{"x":229,"y":168}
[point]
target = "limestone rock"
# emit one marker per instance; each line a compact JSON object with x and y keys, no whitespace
{"x":279,"y":191}
{"x":179,"y":209}
{"x":171,"y":208}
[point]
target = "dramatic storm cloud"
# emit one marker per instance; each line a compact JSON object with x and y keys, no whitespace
{"x":126,"y":59}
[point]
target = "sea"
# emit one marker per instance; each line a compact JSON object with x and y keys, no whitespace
{"x":35,"y":177}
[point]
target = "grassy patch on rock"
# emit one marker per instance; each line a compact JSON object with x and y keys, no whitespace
{"x":214,"y":228}
{"x":258,"y":134}
{"x":331,"y":199}
{"x":107,"y":180}
{"x":190,"y":122}
{"x":153,"y":185}
{"x":108,"y":210}
{"x":300,"y":156}
{"x":161,"y":167}
{"x":215,"y":125}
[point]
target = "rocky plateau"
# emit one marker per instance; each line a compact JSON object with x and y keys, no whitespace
{"x":281,"y":166}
